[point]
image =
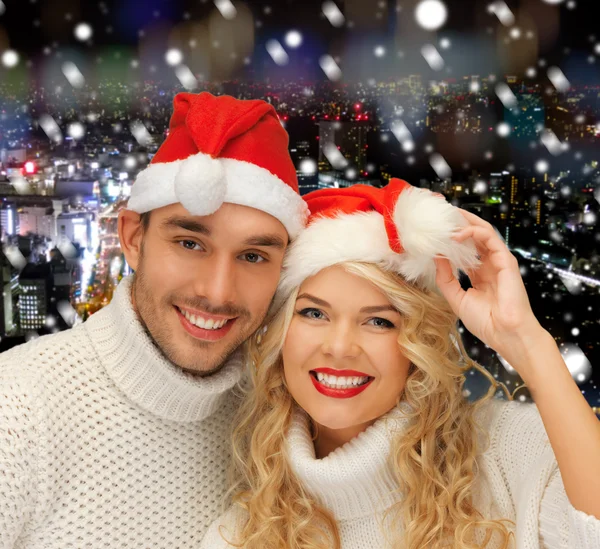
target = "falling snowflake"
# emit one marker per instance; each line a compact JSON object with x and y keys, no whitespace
{"x":433,"y":57}
{"x":308,"y":166}
{"x":502,"y":12}
{"x":445,"y":43}
{"x":67,"y":312}
{"x":67,"y":249}
{"x":506,"y":365}
{"x":440,"y":166}
{"x":2,"y":7}
{"x":554,"y":1}
{"x":379,"y":51}
{"x":351,"y":173}
{"x":515,"y":33}
{"x":173,"y":57}
{"x":330,"y":68}
{"x":578,"y":364}
{"x":50,"y":127}
{"x":15,"y":257}
{"x":227,"y":9}
{"x":140,"y":132}
{"x":293,"y":39}
{"x":20,"y":184}
{"x":73,"y":74}
{"x":402,"y":134}
{"x":277,"y":53}
{"x":333,"y":14}
{"x":506,"y":95}
{"x":335,"y":157}
{"x":83,"y":32}
{"x":503,"y":129}
{"x":542,"y":166}
{"x":130,"y":162}
{"x":551,"y":142}
{"x":480,"y":187}
{"x":558,"y":79}
{"x":186,"y":77}
{"x":76,"y":130}
{"x":10,"y":59}
{"x":431,"y":14}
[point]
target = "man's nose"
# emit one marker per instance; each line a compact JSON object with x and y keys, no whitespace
{"x":216,"y":281}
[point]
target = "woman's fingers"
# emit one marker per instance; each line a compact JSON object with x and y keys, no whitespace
{"x":487,"y":242}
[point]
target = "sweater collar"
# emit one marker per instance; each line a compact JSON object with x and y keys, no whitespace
{"x":356,"y":479}
{"x":144,"y":374}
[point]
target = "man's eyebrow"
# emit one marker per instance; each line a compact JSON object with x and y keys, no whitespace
{"x":186,"y":224}
{"x":266,"y":240}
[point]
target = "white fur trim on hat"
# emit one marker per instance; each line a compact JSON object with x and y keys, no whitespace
{"x":202,"y":183}
{"x":425,"y":222}
{"x":362,"y":237}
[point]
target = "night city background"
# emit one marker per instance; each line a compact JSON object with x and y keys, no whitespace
{"x":494,"y":104}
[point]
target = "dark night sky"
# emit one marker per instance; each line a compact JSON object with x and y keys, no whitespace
{"x":30,"y":25}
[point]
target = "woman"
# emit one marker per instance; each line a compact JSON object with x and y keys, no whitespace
{"x":356,"y":433}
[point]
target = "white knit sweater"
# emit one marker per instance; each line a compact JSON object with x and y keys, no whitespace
{"x":519,"y":480}
{"x":105,"y":443}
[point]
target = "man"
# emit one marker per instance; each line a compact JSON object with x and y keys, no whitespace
{"x":115,"y":433}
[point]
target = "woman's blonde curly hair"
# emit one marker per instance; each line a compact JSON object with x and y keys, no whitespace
{"x":434,"y":461}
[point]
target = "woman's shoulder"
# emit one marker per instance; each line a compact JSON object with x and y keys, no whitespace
{"x":225,"y":529}
{"x":497,"y":415}
{"x":515,"y":429}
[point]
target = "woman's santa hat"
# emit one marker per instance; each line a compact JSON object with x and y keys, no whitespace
{"x":399,"y":227}
{"x":222,"y":149}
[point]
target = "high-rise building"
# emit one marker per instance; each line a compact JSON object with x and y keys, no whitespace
{"x":74,"y":227}
{"x":9,"y":282}
{"x":34,"y":300}
{"x":37,"y":220}
{"x":350,"y":137}
{"x":9,"y":219}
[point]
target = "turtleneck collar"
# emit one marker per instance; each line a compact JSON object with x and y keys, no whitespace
{"x":141,"y":371}
{"x":355,"y":480}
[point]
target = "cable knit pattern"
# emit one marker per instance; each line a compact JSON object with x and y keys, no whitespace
{"x":519,"y":479}
{"x":105,"y":443}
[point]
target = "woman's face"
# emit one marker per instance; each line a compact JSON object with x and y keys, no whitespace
{"x":342,"y":362}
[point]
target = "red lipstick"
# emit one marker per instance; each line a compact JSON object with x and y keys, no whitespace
{"x":339,"y":393}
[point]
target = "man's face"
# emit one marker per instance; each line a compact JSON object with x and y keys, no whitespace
{"x":203,"y":284}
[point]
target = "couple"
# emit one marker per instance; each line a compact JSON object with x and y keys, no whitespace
{"x":338,"y":378}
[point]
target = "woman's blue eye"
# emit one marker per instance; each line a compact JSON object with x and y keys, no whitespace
{"x":382,"y":323}
{"x":311,"y":313}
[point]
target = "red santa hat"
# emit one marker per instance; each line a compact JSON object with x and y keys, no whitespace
{"x":401,"y":228}
{"x":222,"y":149}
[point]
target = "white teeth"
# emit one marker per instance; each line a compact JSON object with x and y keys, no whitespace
{"x":340,"y":382}
{"x":210,"y":324}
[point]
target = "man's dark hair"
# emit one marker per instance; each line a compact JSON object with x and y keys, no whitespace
{"x":145,"y":220}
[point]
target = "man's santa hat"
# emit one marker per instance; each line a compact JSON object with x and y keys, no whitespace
{"x":222,"y":149}
{"x":399,"y":227}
